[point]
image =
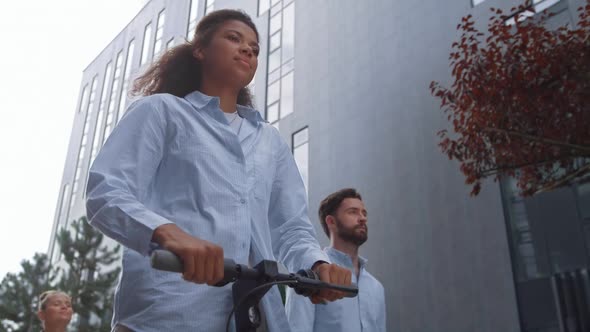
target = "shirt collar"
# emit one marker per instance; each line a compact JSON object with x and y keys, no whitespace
{"x":201,"y":101}
{"x":344,"y":259}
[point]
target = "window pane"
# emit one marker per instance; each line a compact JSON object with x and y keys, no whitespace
{"x":300,"y":137}
{"x":274,"y":60}
{"x":274,"y":2}
{"x":192,"y":19}
{"x":113,"y":102}
{"x":273,"y":92}
{"x":288,"y":32}
{"x":541,"y":5}
{"x":287,"y":95}
{"x":275,"y":41}
{"x":124,"y":92}
{"x":169,"y":44}
{"x":301,"y":155}
{"x":92,"y":96}
{"x":209,"y":6}
{"x":275,"y":9}
{"x":275,"y":75}
{"x":272,"y":113}
{"x":289,"y":66}
{"x":101,"y":110}
{"x":147,"y":38}
{"x":263,"y":6}
{"x":275,"y":23}
{"x":193,"y":10}
{"x":84,"y":99}
{"x":159,"y":32}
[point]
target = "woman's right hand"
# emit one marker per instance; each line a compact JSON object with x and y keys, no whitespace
{"x":202,"y":260}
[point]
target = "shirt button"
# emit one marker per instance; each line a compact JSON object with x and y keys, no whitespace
{"x":243,"y":201}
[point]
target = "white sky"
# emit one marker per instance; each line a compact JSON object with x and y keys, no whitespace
{"x":45,"y":47}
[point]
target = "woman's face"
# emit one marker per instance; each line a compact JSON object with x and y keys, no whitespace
{"x":232,"y":54}
{"x":58,"y":310}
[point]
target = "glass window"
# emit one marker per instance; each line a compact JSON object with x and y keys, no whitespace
{"x":170,"y":43}
{"x":89,"y":110}
{"x":124,"y":92}
{"x":192,"y":19}
{"x":520,"y":17}
{"x":272,"y":113}
{"x":159,"y":31}
{"x":289,"y":66}
{"x":274,"y":60}
{"x":112,"y":103}
{"x":301,"y":154}
{"x":209,"y":6}
{"x":287,"y":95}
{"x":84,"y":99}
{"x":275,"y":75}
{"x":524,"y":254}
{"x":273,"y":93}
{"x":275,"y":9}
{"x":275,"y":41}
{"x":275,"y":23}
{"x":301,"y":137}
{"x":263,"y":6}
{"x":541,"y":5}
{"x":274,"y":2}
{"x":288,"y":32}
{"x":147,"y":39}
{"x":84,"y":141}
{"x":101,"y":109}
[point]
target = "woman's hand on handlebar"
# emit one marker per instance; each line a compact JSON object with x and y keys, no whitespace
{"x":334,"y":274}
{"x":202,"y":260}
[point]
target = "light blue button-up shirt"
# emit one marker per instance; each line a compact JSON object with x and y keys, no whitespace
{"x":365,"y":313}
{"x":177,"y":160}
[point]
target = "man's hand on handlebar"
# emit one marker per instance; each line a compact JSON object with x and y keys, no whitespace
{"x":202,"y":260}
{"x":334,"y":274}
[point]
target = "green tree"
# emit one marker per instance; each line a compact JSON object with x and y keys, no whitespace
{"x":19,"y":291}
{"x":89,"y":275}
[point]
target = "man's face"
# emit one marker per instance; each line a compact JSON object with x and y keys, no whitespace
{"x":351,"y":221}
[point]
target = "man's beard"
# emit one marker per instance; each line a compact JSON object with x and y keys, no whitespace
{"x":351,"y":235}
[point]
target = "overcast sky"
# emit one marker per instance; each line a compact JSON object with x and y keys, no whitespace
{"x":46,"y":45}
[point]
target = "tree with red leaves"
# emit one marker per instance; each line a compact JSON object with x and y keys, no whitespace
{"x":520,"y":101}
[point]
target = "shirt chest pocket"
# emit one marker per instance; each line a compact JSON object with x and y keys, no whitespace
{"x":264,"y":168}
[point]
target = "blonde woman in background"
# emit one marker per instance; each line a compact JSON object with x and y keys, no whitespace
{"x":55,"y":311}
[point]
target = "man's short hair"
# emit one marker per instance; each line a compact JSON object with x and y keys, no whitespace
{"x":330,"y":204}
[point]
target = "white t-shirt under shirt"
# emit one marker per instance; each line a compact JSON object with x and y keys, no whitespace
{"x":234,"y":120}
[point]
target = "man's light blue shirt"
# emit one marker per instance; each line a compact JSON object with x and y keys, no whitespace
{"x":177,"y":160}
{"x":364,"y":313}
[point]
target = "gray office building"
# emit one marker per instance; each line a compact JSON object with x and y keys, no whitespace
{"x":346,"y":82}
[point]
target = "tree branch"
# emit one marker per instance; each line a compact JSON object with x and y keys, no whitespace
{"x":540,"y":139}
{"x":492,"y":171}
{"x":565,"y":180}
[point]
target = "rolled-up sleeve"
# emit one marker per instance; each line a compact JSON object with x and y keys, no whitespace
{"x":122,"y":173}
{"x":293,"y":236}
